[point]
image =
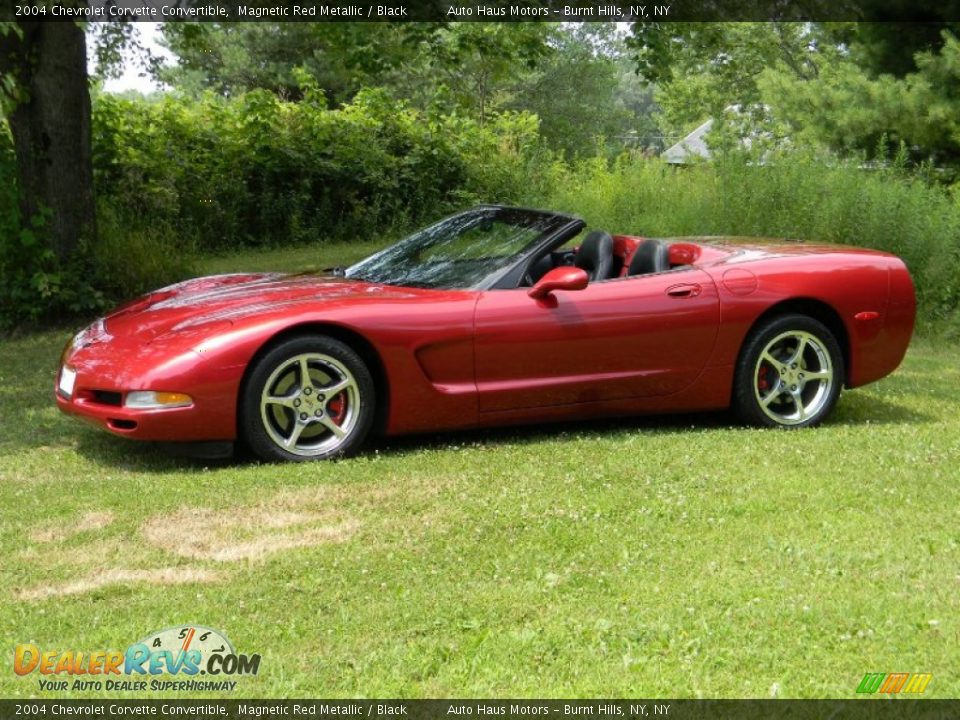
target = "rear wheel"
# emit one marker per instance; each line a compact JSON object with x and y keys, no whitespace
{"x":789,"y":374}
{"x":308,"y":398}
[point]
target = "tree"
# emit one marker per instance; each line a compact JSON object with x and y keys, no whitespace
{"x":702,"y":68}
{"x":885,"y":48}
{"x":47,"y":105}
{"x":230,"y":58}
{"x":471,"y":67}
{"x":849,"y":109}
{"x":465,"y":67}
{"x":851,"y":87}
{"x":584,"y":91}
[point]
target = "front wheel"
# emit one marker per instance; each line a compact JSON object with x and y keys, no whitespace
{"x":308,"y":398}
{"x":789,"y":374}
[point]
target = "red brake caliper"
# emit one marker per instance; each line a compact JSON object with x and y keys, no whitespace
{"x":762,"y":378}
{"x":336,"y":408}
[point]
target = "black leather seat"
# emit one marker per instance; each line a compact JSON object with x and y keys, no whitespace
{"x":596,"y":255}
{"x":652,"y":256}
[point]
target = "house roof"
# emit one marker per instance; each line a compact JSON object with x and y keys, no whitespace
{"x":692,"y":146}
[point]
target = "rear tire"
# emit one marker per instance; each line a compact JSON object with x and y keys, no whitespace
{"x":789,"y":373}
{"x":308,"y":398}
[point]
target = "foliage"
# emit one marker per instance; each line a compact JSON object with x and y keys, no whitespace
{"x":471,"y":67}
{"x":575,"y":77}
{"x":9,"y":90}
{"x":702,"y":68}
{"x":232,"y":58}
{"x":849,"y":110}
{"x":585,"y":92}
{"x":840,"y":86}
{"x":131,"y":256}
{"x":891,"y":48}
{"x":466,"y":66}
{"x":257,"y":170}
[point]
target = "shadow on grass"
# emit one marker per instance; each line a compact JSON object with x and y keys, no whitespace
{"x":105,"y":450}
{"x":866,"y":408}
{"x":854,"y":410}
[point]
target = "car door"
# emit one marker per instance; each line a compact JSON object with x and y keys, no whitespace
{"x":631,"y":337}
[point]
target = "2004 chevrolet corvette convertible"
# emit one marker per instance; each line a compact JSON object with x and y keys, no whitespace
{"x":494,"y":316}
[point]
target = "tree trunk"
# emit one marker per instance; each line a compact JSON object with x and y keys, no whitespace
{"x":50,"y":125}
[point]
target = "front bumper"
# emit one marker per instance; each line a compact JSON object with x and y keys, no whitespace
{"x":104,"y":377}
{"x":168,"y":424}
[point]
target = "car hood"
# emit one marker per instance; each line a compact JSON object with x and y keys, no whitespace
{"x":225,"y":298}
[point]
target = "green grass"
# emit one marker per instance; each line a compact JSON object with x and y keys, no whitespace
{"x":657,"y":557}
{"x":299,"y":258}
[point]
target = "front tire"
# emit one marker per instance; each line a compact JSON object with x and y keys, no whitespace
{"x":308,"y":398}
{"x":789,"y":373}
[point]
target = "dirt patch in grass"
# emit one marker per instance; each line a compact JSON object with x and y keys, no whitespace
{"x":262,"y":547}
{"x":254,"y":533}
{"x":118,"y":576}
{"x":58,"y":533}
{"x":290,"y":519}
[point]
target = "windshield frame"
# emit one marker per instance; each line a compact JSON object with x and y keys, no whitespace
{"x":559,"y":228}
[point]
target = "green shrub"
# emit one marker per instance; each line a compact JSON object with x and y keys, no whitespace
{"x":34,"y":284}
{"x":177,"y":175}
{"x":129,"y":259}
{"x":181,"y":176}
{"x":256,"y":170}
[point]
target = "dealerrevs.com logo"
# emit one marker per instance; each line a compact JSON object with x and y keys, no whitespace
{"x":167,"y":660}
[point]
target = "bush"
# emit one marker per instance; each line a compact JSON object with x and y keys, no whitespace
{"x":34,"y":285}
{"x":256,"y":170}
{"x":129,"y":259}
{"x":178,"y":176}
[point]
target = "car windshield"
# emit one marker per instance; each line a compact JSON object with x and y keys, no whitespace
{"x":467,"y":251}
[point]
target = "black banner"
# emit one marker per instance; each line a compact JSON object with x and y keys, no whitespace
{"x":929,"y":11}
{"x":855,"y":709}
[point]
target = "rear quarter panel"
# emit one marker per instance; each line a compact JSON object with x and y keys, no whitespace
{"x":871,"y":293}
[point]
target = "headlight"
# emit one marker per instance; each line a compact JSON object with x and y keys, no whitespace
{"x":71,"y":345}
{"x":95,"y":333}
{"x":67,"y":349}
{"x":150,"y":400}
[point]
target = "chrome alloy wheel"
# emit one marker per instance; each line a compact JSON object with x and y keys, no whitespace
{"x":793,"y":377}
{"x":309,"y":405}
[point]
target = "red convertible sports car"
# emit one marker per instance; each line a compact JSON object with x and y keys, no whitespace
{"x":493,"y":316}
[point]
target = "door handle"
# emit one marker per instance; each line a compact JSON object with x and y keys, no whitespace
{"x":684,"y":290}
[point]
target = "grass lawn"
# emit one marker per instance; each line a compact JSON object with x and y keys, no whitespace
{"x":298,"y":259}
{"x":659,"y":557}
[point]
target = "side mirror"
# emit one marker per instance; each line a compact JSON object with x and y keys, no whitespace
{"x":561,"y":278}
